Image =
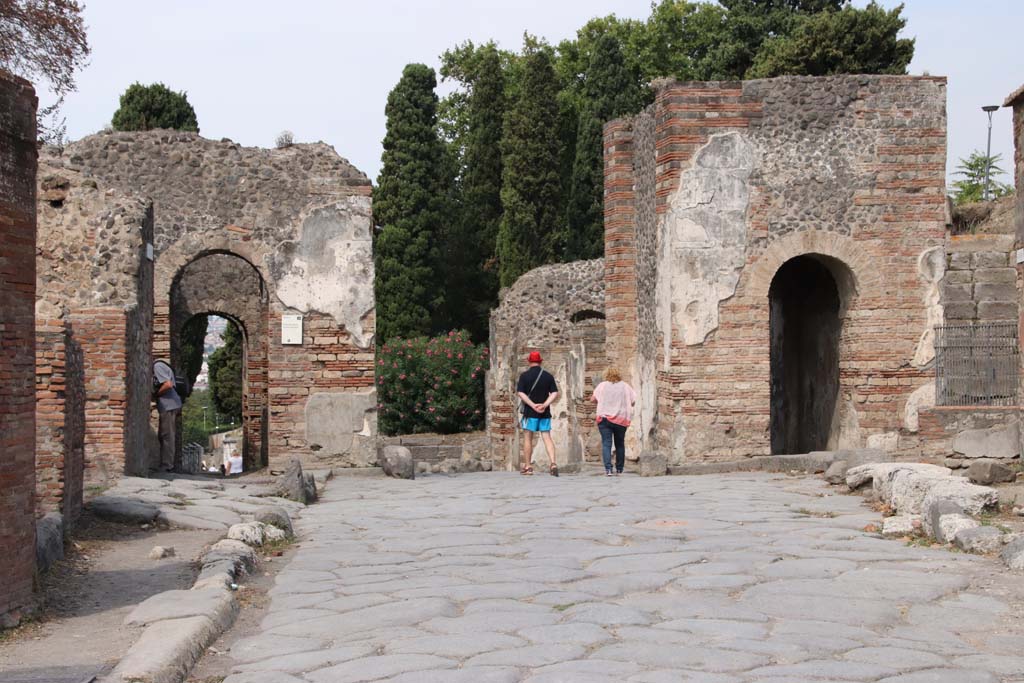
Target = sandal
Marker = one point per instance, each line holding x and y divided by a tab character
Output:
526	470
554	470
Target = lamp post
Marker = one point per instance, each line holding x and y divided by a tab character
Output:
204	418
988	149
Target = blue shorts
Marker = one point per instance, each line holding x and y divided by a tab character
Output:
536	424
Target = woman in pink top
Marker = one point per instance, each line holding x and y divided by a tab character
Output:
615	401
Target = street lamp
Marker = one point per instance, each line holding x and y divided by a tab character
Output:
204	418
988	149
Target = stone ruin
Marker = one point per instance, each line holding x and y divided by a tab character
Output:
141	232
776	262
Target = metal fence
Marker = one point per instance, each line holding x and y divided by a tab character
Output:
191	457
976	364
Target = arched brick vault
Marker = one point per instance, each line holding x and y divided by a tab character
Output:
222	283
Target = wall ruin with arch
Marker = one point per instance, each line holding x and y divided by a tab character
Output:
155	227
717	185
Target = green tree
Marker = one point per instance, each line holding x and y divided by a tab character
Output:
409	204
193	338
531	232
844	41
225	367
471	271
972	187
145	107
611	89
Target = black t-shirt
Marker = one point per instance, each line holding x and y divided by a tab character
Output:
545	387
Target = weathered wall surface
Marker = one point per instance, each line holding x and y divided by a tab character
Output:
746	177
559	311
1016	101
980	281
17	345
301	217
94	315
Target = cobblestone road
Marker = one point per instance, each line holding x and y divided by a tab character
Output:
720	579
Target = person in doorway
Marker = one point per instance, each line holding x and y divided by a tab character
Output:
168	405
537	390
615	401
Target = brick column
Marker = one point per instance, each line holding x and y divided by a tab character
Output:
620	245
17	345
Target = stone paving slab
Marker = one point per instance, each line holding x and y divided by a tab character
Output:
737	578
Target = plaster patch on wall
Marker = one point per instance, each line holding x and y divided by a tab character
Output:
888	441
931	266
340	427
845	431
922	398
330	268
703	239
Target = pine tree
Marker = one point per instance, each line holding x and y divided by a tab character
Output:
145	107
473	276
610	90
530	233
409	204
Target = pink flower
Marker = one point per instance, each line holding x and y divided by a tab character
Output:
473	376
380	362
460	355
454	371
401	377
431	408
394	365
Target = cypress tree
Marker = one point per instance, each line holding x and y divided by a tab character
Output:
475	272
529	234
409	204
610	89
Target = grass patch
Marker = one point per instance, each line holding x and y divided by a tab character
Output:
828	514
562	608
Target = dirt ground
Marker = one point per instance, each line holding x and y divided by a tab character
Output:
215	664
79	631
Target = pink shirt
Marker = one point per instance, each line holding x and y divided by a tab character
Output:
615	402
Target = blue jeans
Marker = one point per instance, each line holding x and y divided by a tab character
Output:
610	431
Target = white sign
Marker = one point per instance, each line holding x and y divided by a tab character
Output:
1020	256
291	329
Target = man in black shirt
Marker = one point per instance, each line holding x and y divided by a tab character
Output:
537	390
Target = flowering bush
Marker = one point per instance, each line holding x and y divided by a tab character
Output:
433	384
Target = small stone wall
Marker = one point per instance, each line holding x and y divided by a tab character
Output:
559	311
446	453
17	346
980	282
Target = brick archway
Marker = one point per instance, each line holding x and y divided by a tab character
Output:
226	284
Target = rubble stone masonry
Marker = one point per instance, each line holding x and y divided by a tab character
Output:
299	218
17	345
717	185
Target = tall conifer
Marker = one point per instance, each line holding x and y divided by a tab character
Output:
409	204
530	231
610	89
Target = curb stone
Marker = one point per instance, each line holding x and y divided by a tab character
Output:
181	624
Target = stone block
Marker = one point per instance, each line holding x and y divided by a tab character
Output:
249	533
397	461
958	277
997	310
277	517
972	498
995	292
960	310
124	510
159	552
836	472
957	293
1013	554
653	464
1002	442
990	259
960	261
954	463
216	604
987	472
1007	276
49	541
814	463
935	511
901	525
231	554
166	651
981	540
294	485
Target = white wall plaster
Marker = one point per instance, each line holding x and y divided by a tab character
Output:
931	266
922	398
703	239
330	268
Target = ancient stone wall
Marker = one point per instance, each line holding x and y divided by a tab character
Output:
94	315
558	310
17	346
748	176
300	216
980	281
1016	101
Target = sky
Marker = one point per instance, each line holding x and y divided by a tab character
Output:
322	69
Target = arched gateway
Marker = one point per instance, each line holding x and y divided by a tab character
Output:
270	239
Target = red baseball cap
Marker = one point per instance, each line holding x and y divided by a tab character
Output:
535	357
